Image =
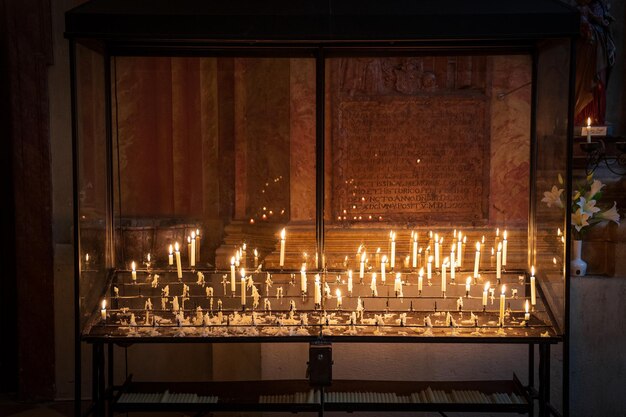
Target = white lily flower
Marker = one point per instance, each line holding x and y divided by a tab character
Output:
553	197
579	219
588	207
594	189
611	214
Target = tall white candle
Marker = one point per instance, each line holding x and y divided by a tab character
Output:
414	250
459	249
504	248
588	129
256	258
282	248
452	264
392	262
317	295
362	266
436	250
373	285
350	282
377	257
477	260
134	271
468	283
383	267
499	262
179	267
443	275
103	311
192	258
233	282
420	279
502	301
533	294
303	279
243	287
397	286
170	258
338	292
485	292
527	315
429	271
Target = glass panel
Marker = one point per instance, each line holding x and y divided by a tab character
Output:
92	178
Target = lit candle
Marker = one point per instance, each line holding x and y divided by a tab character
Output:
477	260
499	262
317	296
87	258
103	311
256	258
468	282
491	257
377	256
397	286
192	258
504	248
414	250
383	266
443	276
237	257
244	253
198	245
420	278
338	299
243	288
430	268
373	285
588	129
419	258
178	265
134	271
303	279
485	292
459	250
436	250
502	301
233	282
392	262
452	264
533	294
350	282
281	262
527	315
362	266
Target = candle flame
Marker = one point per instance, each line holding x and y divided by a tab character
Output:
499	247
503	289
363	256
256	253
377	250
104	304
445	261
492	251
498	231
532	270
464	239
477	246
282	234
421	272
349	273
133	266
303	269
504	235
87	257
398	275
483	240
188	239
384	260
527	307
317	278
430	259
198	232
232	260
338	292
430	234
468	281
193	235
486	286
588	122
243	273
176	247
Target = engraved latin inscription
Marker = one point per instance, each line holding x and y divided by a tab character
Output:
411	159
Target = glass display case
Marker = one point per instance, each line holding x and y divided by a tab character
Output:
312	188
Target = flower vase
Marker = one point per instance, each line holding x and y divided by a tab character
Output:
578	267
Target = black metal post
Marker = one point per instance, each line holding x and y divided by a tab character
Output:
531	378
544	379
320	93
110	379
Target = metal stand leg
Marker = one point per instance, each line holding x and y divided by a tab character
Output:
110	380
531	378
544	379
98	380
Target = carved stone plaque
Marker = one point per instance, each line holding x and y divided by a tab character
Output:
411	159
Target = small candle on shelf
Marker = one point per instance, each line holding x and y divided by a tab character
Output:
407	261
244	253
527	315
533	287
237	257
459	250
383	267
443	276
436	250
429	270
317	295
420	279
373	285
502	301
256	258
397	286
588	129
233	283
103	310
377	258
414	235
303	279
468	283
504	248
499	262
362	266
452	264
492	257
192	258
134	271
392	262
243	288
477	260
497	239
485	292
338	292
350	282
281	262
179	267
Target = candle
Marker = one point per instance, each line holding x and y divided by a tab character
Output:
357	258
103	311
485	292
237	257
414	250
397	286
468	282
338	292
436	250
383	265
420	279
192	253
504	248
256	258
189	248
377	256
499	262
243	288
430	268
281	262
244	253
419	258
502	300
134	271
362	267
178	265
87	257
443	276
452	265
527	315
533	294
462	254
477	260
373	285
303	279
491	257
392	262
350	282
317	297
459	250
233	283
588	129
197	245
